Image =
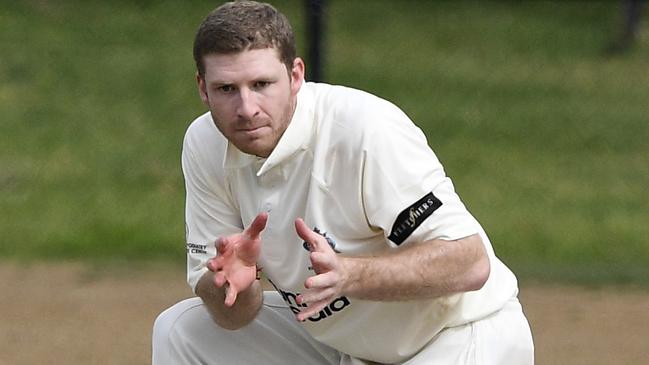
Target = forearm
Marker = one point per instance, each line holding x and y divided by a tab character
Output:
238	315
426	270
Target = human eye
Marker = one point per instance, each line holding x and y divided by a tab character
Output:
226	89
258	85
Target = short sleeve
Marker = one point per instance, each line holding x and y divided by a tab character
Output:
209	210
405	189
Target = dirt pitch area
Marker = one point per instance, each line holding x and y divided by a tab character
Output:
76	314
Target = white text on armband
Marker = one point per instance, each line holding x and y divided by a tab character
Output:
411	217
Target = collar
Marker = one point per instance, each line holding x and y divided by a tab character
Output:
296	137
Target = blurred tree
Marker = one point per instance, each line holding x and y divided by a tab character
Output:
628	32
315	33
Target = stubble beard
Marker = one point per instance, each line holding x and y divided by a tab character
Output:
274	138
277	134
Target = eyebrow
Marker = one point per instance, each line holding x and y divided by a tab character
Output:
217	82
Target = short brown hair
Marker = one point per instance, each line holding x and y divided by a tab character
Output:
242	25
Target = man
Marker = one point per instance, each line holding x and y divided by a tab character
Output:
335	195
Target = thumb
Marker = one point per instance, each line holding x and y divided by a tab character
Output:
230	295
313	239
257	225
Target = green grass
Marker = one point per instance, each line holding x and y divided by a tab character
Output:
545	139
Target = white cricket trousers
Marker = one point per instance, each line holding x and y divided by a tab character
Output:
186	334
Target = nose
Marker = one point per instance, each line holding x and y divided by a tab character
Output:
247	108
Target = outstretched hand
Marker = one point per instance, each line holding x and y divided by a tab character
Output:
328	283
235	265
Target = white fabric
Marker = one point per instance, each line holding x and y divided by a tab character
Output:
352	165
185	334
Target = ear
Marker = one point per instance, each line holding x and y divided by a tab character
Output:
297	75
202	89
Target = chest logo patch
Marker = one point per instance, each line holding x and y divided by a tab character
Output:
329	239
411	217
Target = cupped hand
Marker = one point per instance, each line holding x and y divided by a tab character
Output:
328	283
235	265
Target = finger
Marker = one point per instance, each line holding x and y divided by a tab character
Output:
212	265
316	241
323	261
217	263
303	230
311	310
219	279
320	281
257	225
230	295
314	296
222	245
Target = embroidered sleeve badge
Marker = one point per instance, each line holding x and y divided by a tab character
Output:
411	217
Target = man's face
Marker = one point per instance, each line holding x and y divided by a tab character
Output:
251	97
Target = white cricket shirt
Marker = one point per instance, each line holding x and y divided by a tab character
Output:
354	166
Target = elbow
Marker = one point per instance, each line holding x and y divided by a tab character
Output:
480	268
230	319
243	312
479	274
228	325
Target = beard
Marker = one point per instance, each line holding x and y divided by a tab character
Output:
259	145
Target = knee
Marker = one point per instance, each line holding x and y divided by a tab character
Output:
167	326
162	326
160	337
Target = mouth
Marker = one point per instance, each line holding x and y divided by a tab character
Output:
249	129
254	131
250	125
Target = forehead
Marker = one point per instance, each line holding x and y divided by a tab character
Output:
242	66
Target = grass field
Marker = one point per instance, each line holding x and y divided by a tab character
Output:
546	139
